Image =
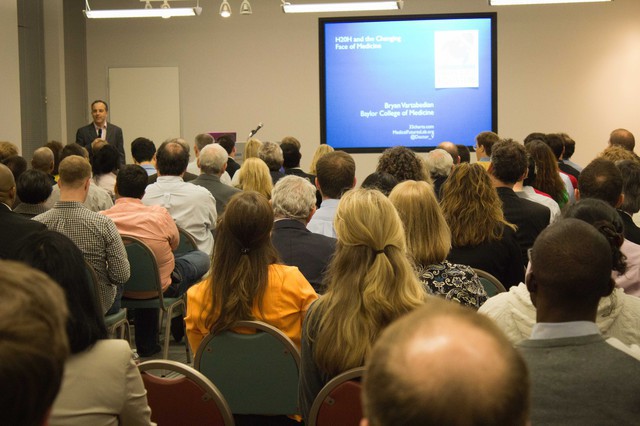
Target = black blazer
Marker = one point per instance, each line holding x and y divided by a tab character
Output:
530	218
232	167
631	230
14	229
300	247
87	134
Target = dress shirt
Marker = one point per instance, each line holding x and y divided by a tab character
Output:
322	220
154	226
192	207
560	330
529	193
98	239
149	169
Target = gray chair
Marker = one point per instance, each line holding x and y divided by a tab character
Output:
145	278
257	373
491	284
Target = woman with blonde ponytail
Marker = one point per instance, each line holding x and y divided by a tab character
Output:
370	283
246	281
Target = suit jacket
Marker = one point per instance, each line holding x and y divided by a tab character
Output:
220	191
232	167
631	230
14	229
300	247
87	134
530	218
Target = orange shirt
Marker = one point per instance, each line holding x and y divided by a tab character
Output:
285	303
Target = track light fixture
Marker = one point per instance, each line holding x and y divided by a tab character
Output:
358	6
523	2
225	9
245	8
164	11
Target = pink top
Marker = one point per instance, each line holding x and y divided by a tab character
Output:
154	226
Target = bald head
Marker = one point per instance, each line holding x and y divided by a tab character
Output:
623	138
7	186
452	149
444	364
43	160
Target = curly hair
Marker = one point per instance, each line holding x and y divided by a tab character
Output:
547	172
617	153
402	163
471	206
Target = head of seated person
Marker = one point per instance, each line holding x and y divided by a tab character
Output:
34	187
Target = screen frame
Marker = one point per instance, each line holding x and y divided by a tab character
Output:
492	16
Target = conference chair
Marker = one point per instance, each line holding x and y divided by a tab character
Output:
145	278
257	373
179	395
491	284
115	322
187	242
338	403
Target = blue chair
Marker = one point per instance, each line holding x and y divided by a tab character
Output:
257	373
491	284
145	278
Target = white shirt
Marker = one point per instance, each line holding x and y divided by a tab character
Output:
528	193
568	186
322	220
191	206
630	280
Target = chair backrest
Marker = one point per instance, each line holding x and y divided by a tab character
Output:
339	403
491	284
187	242
257	373
186	397
145	275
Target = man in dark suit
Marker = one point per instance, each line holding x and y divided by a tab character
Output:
229	144
213	163
294	202
101	129
508	166
14	227
630	171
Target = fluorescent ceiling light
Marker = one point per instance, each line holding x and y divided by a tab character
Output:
342	7
521	2
143	13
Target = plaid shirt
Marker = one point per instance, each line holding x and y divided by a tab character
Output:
97	237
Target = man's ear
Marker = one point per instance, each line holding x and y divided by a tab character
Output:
620	201
311	213
490	168
318	185
364	422
576	194
532	286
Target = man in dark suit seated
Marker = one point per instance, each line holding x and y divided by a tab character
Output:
14	227
508	166
229	144
213	163
630	171
101	129
294	202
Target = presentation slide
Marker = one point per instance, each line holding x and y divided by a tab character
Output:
414	80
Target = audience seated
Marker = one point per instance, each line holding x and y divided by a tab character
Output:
293	201
556	143
484	143
201	140
271	154
143	152
439	164
33	188
291	158
465	154
577	377
618	314
7	149
105	166
14	227
229	145
569	149
213	162
101	383
191	206
548	178
402	163
370	283
320	152
508	166
247	282
617	153
336	174
95	234
156	228
524	189
97	198
630	171
250	151
445	365
452	149
34	345
480	235
428	243
623	138
44	160
17	165
382	181
187	176
254	176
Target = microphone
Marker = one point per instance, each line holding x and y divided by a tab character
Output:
100	133
254	131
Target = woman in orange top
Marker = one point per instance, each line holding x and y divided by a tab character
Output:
246	281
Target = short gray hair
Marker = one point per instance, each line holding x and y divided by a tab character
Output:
212	159
271	153
438	162
293	197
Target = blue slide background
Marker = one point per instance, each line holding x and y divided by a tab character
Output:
362	79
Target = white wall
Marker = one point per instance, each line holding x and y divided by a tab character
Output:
10	128
571	68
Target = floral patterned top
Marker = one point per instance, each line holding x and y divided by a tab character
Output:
458	283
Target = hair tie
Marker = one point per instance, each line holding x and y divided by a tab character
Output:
379	251
244	250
